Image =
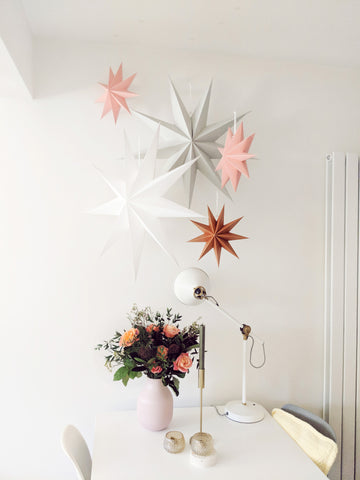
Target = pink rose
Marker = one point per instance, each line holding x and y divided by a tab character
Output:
150	328
128	338
157	369
162	352
183	363
170	331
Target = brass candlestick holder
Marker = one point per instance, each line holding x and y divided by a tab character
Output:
203	453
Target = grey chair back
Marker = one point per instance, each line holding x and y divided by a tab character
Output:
315	421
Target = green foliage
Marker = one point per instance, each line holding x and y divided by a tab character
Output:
151	347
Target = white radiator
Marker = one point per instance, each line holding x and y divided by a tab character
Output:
342	329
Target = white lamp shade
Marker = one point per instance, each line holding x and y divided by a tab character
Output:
187	281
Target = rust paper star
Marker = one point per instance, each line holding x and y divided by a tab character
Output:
234	156
217	235
116	93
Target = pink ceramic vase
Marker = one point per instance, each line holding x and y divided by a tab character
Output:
155	405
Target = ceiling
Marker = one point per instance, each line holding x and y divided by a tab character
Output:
322	31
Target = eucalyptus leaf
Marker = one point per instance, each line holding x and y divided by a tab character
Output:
174	388
192	347
139	360
139	369
121	373
128	362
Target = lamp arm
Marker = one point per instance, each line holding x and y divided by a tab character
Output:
230	317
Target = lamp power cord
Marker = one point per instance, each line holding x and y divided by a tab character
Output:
251	352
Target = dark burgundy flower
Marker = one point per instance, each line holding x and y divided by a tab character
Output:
145	353
174	350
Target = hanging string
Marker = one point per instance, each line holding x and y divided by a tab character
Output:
123	163
217	203
234	122
139	156
191	101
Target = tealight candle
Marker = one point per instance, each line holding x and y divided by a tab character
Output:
174	442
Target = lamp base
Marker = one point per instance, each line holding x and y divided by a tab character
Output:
250	413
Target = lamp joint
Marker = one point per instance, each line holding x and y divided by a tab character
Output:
200	292
245	330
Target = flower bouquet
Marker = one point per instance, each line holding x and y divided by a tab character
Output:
154	346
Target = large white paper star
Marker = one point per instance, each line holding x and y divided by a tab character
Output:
197	139
139	201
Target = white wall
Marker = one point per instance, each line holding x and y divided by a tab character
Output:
17	37
60	298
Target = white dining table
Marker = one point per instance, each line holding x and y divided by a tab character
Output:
123	449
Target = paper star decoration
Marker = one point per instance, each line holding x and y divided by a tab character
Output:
116	93
196	139
234	156
216	235
139	201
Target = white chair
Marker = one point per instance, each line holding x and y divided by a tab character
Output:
76	449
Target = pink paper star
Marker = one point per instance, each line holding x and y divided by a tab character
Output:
234	156
116	93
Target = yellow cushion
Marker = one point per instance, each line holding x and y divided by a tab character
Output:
320	449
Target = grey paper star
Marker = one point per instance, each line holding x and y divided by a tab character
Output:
197	139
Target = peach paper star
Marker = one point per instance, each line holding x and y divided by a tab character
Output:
234	156
217	235
116	93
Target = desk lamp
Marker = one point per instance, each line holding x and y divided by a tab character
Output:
191	287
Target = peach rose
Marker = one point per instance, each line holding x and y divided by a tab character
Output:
183	363
157	369
170	331
162	352
129	338
150	328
